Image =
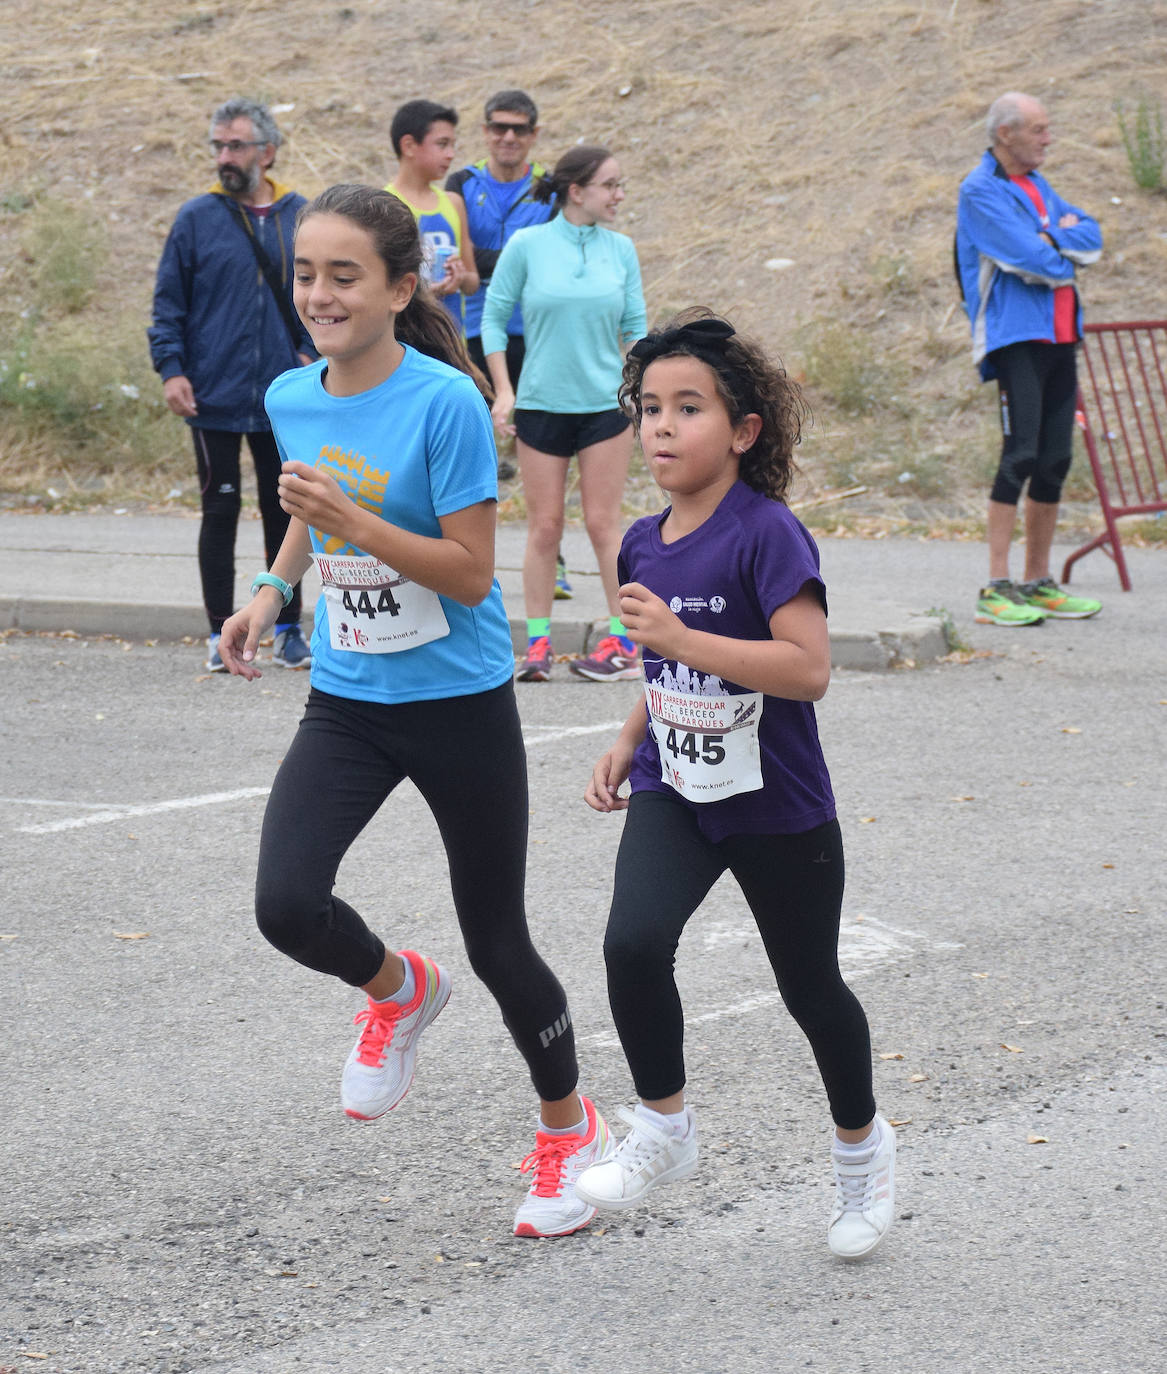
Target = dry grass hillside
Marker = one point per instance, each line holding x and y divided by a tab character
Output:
830	133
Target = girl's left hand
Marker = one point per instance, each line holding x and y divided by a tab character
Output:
649	621
311	495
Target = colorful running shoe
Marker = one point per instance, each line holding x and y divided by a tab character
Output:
537	667
647	1155
1048	597
563	590
379	1071
214	663
864	1199
1000	603
613	659
290	651
552	1207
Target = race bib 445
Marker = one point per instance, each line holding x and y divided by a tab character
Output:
708	744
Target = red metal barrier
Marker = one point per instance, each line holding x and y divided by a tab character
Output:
1122	413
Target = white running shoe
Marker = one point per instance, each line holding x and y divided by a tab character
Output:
645	1157
551	1207
379	1070
864	1199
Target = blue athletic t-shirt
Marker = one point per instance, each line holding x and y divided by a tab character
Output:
413	449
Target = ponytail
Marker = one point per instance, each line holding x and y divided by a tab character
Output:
430	328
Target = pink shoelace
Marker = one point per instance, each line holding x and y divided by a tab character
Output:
380	1023
547	1159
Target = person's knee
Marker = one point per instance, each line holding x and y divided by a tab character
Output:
1045	486
603	526
285	912
222	504
545	530
630	948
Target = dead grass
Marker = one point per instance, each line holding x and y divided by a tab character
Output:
830	132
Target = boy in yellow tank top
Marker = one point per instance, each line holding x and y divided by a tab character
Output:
424	134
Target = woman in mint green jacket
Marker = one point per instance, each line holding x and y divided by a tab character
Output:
578	283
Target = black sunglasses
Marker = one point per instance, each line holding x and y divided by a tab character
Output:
500	130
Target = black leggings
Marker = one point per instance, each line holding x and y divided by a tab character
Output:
217	456
794	887
466	757
1037	385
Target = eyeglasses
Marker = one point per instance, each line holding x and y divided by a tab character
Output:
235	145
500	130
610	186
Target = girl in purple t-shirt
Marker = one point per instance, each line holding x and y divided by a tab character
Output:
724	595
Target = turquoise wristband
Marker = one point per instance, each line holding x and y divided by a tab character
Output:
266	579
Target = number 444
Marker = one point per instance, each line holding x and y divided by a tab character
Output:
363	605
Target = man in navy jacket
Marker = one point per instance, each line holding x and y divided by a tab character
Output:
1018	247
219	337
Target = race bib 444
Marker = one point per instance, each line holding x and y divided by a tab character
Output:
374	610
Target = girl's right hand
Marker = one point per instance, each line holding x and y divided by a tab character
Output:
610	771
500	411
242	633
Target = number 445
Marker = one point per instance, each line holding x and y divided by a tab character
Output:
711	750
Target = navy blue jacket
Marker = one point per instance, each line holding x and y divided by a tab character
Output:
215	318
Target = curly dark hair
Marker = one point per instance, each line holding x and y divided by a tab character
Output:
748	382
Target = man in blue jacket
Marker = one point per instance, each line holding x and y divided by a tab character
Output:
1018	246
224	327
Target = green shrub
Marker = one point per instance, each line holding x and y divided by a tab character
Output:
1142	138
67	246
840	363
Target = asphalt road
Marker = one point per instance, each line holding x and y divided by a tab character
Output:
180	1191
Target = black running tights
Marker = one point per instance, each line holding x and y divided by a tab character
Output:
794	887
217	457
466	757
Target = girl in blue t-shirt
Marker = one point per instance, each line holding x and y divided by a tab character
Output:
390	479
723	594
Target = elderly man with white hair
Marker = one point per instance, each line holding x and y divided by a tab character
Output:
1018	248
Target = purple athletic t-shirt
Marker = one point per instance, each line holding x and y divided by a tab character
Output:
729	577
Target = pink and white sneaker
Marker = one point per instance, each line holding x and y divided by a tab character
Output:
551	1207
379	1070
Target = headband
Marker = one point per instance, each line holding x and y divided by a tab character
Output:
706	340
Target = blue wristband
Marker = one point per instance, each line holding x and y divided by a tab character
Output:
266	579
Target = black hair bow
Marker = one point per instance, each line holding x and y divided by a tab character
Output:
698	336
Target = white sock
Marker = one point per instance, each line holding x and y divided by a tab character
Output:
580	1128
676	1123
404	993
857	1152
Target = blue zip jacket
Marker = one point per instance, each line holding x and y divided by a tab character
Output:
494	210
1007	272
215	318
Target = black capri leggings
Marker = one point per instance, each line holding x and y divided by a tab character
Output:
1037	385
794	887
466	757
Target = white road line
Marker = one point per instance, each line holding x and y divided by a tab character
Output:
570	731
149	809
104	814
